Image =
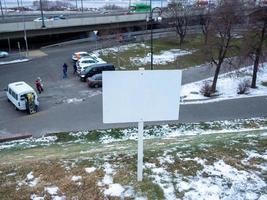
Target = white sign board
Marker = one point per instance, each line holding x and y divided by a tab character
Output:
141	96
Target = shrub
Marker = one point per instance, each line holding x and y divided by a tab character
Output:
206	89
264	83
243	87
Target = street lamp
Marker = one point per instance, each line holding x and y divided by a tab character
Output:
42	14
82	5
2	9
24	30
151	20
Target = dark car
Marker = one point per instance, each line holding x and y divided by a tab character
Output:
95	69
95	81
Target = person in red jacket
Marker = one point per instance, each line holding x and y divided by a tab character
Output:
38	85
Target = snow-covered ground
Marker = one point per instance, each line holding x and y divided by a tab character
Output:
163	131
216	181
206	161
163	58
227	86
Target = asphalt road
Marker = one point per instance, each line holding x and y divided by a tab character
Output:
58	113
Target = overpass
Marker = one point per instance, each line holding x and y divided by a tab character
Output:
70	25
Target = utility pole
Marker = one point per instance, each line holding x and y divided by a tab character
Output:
151	36
3	17
82	5
42	13
24	29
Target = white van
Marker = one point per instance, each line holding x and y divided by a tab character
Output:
19	92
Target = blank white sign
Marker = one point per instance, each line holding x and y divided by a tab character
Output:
141	96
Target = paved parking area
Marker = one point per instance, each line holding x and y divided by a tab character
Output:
68	104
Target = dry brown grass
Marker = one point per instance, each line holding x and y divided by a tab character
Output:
50	173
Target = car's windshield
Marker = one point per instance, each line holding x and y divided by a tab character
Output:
84	54
88	61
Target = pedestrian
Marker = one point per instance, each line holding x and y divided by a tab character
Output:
39	85
74	68
65	70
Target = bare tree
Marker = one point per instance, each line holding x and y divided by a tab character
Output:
205	22
220	38
255	40
178	19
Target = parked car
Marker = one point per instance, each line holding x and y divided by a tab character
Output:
96	69
78	55
85	62
58	17
95	81
3	54
95	57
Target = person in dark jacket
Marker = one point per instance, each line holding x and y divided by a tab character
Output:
65	70
74	68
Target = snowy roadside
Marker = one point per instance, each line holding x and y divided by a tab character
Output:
190	165
151	132
15	61
227	86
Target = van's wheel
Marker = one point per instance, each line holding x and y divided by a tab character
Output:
96	85
8	100
16	108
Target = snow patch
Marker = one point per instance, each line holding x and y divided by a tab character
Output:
227	86
73	100
76	178
35	197
114	190
163	58
14	61
52	190
224	181
90	169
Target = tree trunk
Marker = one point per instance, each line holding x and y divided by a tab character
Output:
257	56
255	69
215	78
181	40
205	39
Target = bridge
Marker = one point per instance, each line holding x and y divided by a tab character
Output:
16	29
15	26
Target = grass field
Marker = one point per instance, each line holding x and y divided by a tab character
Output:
123	58
211	160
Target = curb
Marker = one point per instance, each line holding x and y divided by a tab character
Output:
14	61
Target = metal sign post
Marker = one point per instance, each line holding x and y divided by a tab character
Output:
139	96
140	150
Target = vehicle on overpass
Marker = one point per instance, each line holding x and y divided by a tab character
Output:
139	8
22	96
50	18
